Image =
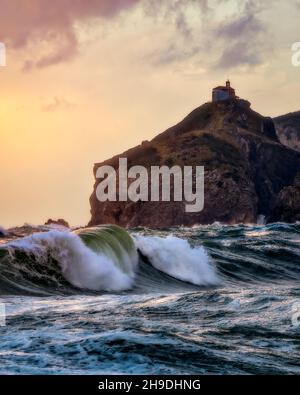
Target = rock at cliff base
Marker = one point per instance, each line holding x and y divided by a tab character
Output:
60	222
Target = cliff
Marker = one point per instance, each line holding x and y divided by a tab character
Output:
247	169
288	130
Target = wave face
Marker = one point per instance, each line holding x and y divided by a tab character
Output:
103	258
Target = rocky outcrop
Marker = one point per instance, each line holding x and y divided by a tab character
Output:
288	130
246	168
60	222
286	207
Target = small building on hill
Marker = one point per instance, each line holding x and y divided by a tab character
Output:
223	92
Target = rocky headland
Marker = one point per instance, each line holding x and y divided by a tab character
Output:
251	170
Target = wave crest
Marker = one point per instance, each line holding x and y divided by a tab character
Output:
176	257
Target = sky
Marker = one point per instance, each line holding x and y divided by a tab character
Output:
86	80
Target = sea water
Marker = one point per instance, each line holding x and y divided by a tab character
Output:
204	300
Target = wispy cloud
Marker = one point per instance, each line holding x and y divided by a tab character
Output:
244	37
214	41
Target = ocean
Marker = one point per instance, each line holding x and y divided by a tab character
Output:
203	300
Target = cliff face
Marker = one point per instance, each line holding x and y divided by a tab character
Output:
246	168
286	206
288	130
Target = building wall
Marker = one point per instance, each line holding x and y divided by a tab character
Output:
218	95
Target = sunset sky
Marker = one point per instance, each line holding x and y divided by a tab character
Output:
85	80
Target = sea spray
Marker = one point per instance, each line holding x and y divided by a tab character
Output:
80	265
176	257
114	242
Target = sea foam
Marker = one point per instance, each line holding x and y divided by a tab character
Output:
177	258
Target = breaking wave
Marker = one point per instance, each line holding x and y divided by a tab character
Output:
175	257
103	258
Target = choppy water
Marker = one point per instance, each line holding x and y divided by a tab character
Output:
237	310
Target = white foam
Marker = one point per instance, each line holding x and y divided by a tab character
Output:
87	269
261	220
81	266
176	257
